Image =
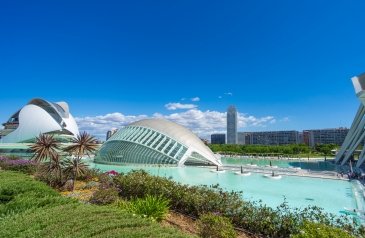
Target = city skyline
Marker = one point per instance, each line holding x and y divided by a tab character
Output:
287	69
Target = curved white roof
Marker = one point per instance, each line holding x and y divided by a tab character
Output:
40	116
175	131
180	134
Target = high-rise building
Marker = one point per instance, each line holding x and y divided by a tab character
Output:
218	139
232	125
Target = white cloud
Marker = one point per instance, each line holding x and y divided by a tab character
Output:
202	123
220	97
228	94
195	99
177	105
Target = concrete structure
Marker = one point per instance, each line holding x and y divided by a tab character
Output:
110	133
325	136
271	137
155	141
232	125
40	116
356	134
218	139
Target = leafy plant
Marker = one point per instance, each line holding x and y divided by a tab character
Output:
152	207
214	226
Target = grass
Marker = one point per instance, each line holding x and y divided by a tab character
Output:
29	208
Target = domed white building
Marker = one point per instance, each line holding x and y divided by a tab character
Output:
40	116
155	141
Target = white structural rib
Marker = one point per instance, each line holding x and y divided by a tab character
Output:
356	134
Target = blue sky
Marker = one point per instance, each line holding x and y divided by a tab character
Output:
284	64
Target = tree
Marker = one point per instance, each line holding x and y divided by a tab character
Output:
83	144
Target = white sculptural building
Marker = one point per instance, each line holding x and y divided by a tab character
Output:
39	117
356	134
155	141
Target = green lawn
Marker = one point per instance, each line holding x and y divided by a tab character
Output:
31	209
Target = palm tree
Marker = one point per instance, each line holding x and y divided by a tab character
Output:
83	144
46	148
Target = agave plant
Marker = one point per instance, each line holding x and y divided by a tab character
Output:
83	144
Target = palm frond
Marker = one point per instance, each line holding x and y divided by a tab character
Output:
45	148
83	144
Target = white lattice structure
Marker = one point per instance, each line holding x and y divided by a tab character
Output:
155	141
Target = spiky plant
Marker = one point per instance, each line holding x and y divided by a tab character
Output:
83	144
45	148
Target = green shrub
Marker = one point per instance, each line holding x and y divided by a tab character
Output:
214	226
152	207
89	174
104	196
317	230
190	200
252	216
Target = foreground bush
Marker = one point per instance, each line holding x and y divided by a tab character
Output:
252	216
105	196
190	200
310	230
214	226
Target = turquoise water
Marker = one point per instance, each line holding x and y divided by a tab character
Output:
316	165
332	195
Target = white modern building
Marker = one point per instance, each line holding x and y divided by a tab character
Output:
155	141
39	117
356	134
